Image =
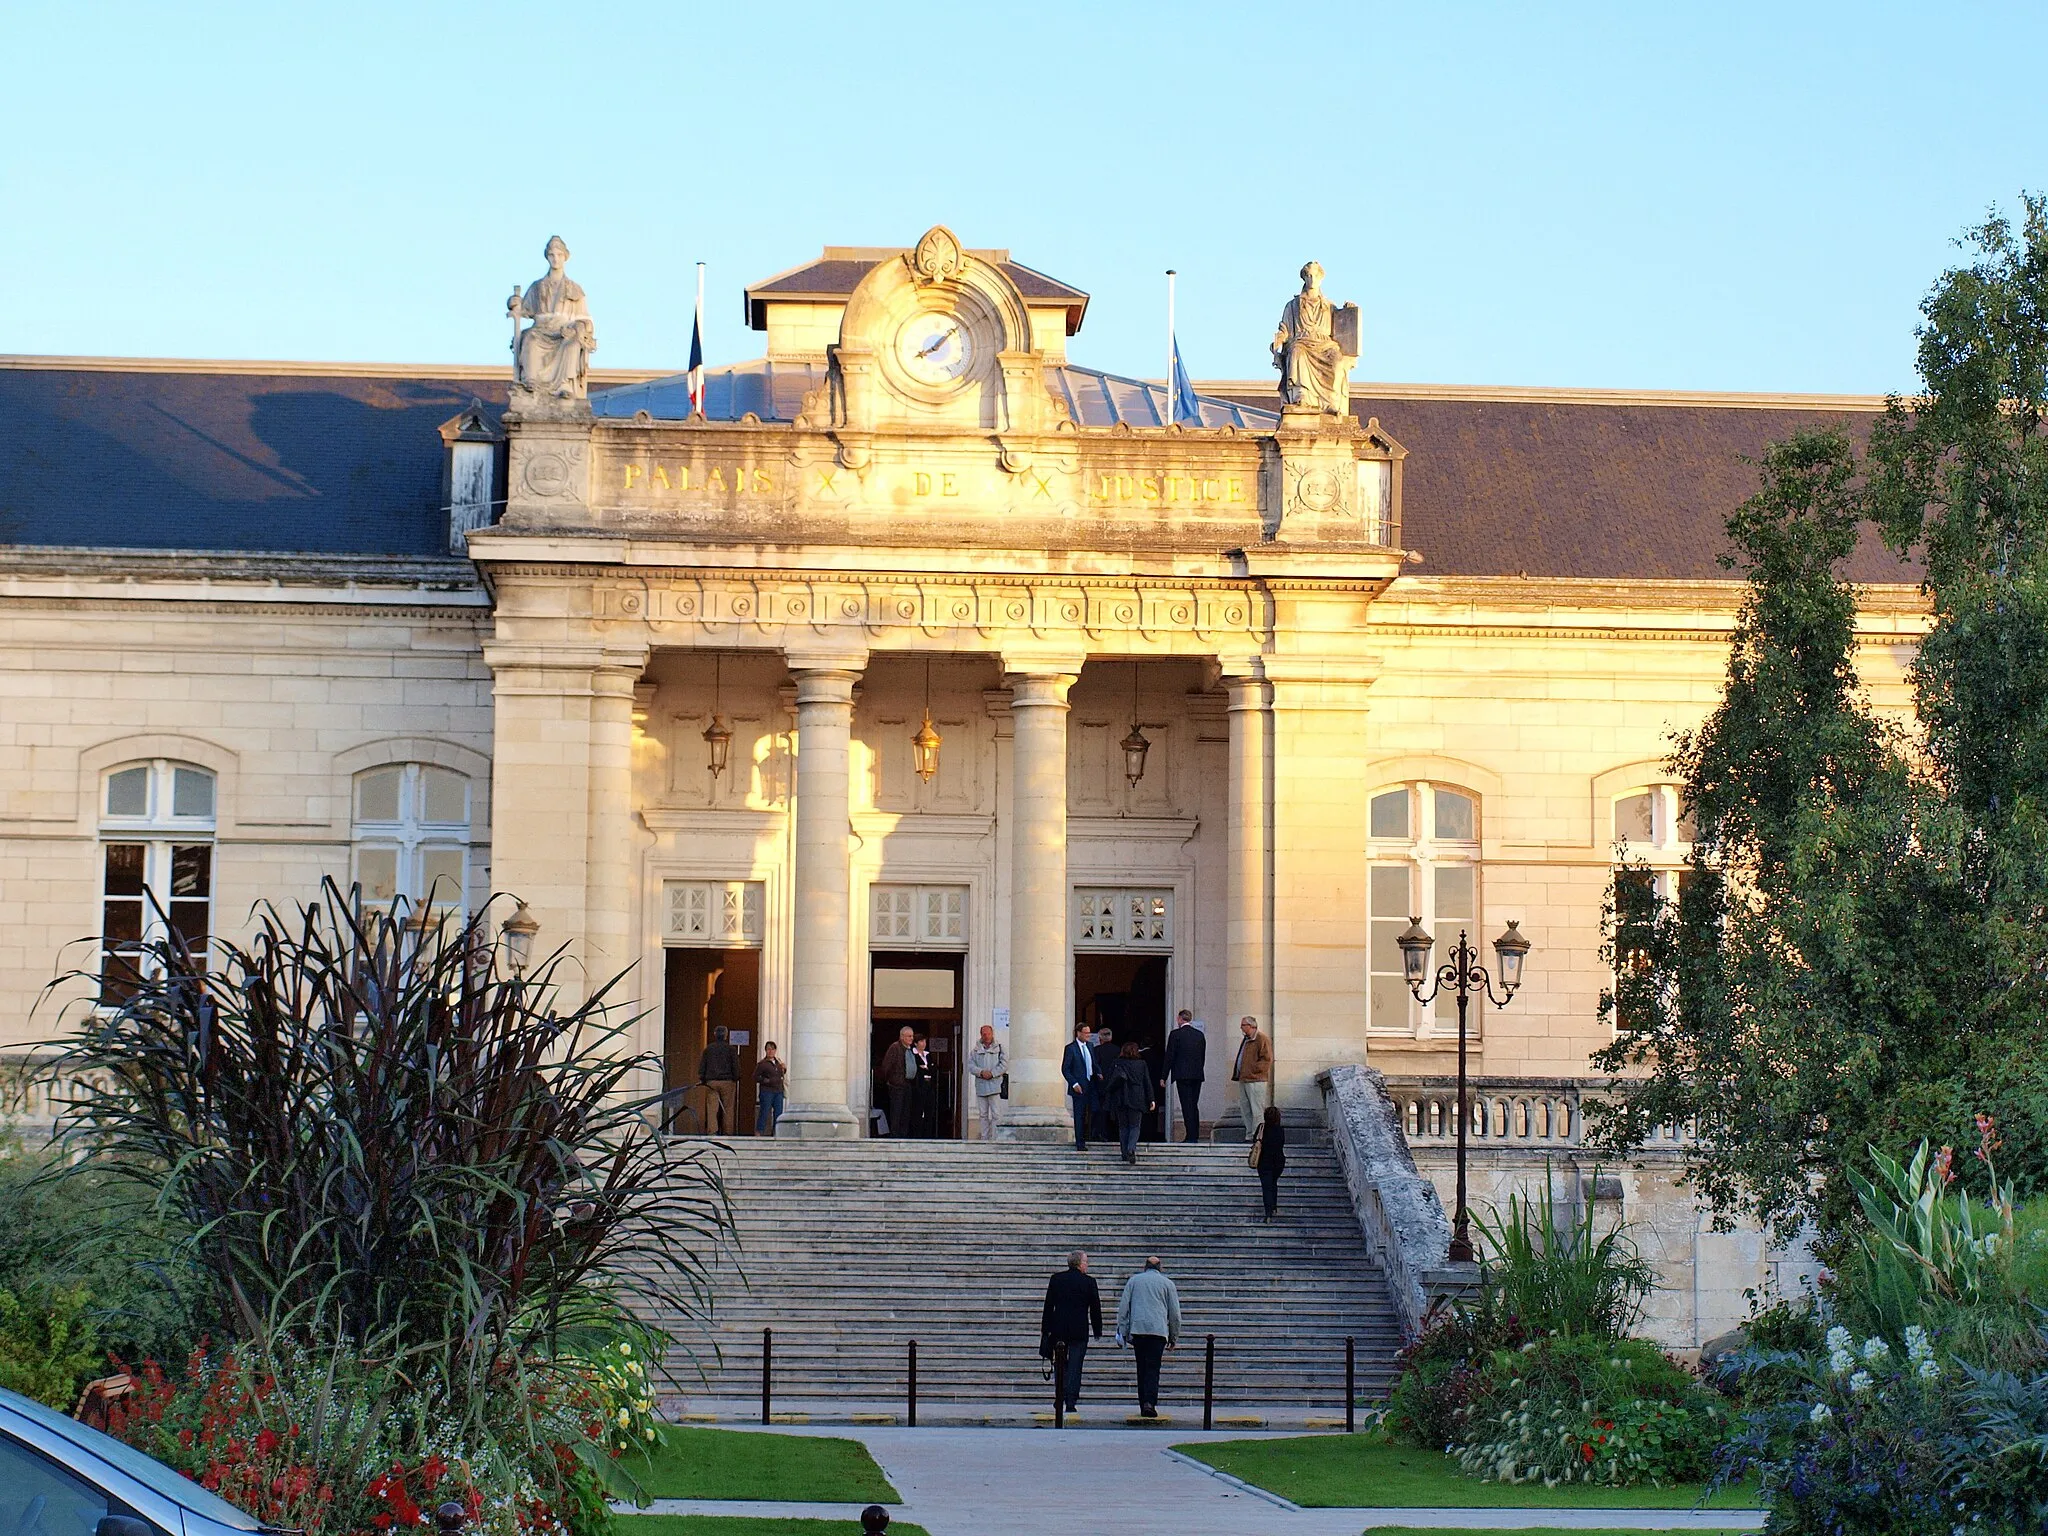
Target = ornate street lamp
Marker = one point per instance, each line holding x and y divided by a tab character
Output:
924	746
1135	746
1466	975
519	930
717	735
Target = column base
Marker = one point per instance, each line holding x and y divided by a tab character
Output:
818	1122
1044	1125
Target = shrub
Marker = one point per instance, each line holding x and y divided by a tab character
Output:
1581	1409
1442	1372
377	1145
1562	1277
47	1348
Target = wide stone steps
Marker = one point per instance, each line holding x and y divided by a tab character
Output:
850	1250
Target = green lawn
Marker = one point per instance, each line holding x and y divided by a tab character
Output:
1343	1471
693	1463
746	1525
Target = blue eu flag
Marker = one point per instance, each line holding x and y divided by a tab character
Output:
1184	406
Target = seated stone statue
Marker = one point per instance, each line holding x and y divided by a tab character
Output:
1315	367
551	357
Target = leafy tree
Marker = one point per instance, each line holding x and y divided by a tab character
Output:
1857	955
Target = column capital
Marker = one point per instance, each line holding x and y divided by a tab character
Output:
606	667
1039	690
848	661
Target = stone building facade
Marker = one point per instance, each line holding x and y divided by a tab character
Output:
436	632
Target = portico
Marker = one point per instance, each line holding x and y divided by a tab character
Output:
965	541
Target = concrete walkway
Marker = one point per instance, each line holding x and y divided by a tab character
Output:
1025	1482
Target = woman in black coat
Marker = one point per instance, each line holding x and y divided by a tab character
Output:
1269	1156
1127	1089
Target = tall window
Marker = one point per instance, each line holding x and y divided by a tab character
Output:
412	834
156	841
1650	829
1424	860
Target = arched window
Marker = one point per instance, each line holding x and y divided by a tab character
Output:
412	834
1650	829
1424	860
156	859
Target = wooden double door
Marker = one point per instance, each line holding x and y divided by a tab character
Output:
706	989
923	991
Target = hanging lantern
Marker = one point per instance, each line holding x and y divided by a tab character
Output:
519	930
1135	747
924	749
718	737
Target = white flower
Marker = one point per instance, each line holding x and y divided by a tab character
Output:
1918	1345
1876	1351
1820	1415
1990	1244
625	1419
625	1348
1839	1339
1840	1362
1860	1382
1929	1369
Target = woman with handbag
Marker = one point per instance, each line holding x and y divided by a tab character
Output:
1128	1091
1269	1156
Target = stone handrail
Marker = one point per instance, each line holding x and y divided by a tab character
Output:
1406	1231
1544	1113
31	1100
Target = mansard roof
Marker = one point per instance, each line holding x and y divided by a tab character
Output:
343	459
774	390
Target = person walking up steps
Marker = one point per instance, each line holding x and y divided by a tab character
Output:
1072	1314
1269	1156
1077	1067
1148	1319
1127	1090
1187	1060
1253	1073
718	1069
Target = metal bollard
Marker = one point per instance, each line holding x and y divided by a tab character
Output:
1209	1383
1059	1386
913	1383
1350	1385
767	1369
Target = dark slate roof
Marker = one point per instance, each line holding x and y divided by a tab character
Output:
1552	484
774	391
184	457
836	273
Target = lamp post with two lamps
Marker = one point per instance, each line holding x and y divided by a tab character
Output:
1466	976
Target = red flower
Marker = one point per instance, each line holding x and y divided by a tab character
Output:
266	1441
432	1470
1585	1452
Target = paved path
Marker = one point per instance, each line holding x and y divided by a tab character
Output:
1025	1482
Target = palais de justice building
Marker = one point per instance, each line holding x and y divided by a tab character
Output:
1219	702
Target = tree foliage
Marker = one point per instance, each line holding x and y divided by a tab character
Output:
1857	954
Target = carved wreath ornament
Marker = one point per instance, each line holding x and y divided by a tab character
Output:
937	257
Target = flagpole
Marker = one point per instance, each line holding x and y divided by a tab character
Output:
1169	346
697	342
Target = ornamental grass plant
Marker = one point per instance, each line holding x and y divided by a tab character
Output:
410	1171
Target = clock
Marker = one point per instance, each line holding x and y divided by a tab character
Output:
935	347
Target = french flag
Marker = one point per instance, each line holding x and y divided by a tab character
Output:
697	350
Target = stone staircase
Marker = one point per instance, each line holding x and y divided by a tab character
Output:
850	1249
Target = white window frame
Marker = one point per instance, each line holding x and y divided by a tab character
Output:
160	831
713	914
1423	853
1667	854
410	836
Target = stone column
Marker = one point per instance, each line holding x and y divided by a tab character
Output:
1319	873
1248	921
1040	1006
822	969
562	798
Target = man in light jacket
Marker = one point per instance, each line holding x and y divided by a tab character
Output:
1148	1319
988	1064
1253	1073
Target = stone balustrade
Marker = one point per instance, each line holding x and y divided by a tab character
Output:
1519	1113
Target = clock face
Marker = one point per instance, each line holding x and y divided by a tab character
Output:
934	347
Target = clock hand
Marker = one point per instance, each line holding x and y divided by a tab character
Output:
938	342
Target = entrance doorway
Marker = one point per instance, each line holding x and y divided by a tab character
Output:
707	989
922	991
1126	994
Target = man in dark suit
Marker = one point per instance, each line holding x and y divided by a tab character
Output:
1077	1066
1072	1315
899	1067
1187	1058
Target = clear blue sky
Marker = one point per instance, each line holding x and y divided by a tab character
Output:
1745	196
